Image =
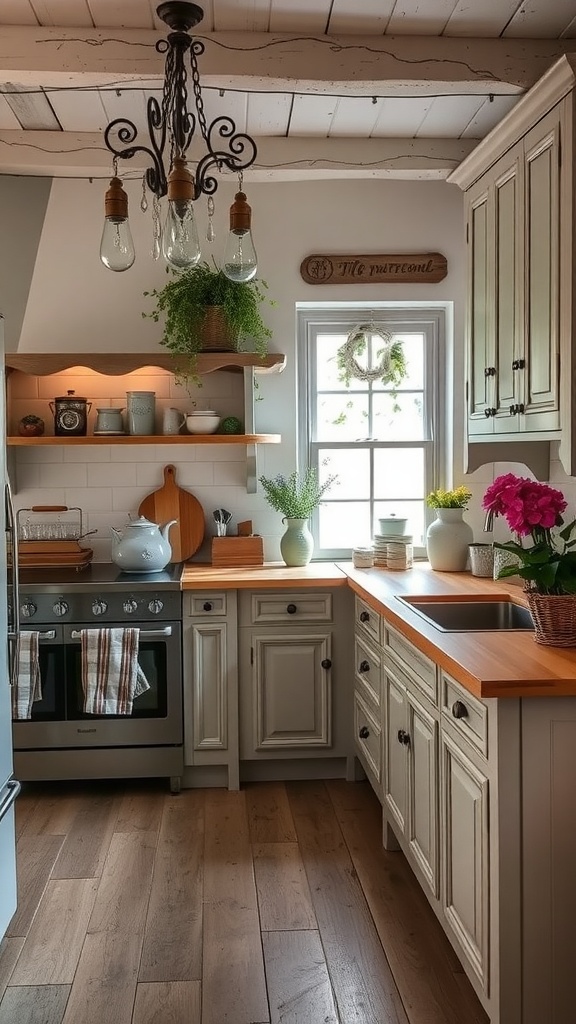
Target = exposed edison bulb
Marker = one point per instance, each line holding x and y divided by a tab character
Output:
180	242
116	247
240	261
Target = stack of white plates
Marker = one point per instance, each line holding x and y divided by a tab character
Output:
382	556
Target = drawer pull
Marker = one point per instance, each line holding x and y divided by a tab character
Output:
364	666
459	709
364	616
291	609
364	732
207	606
326	663
403	737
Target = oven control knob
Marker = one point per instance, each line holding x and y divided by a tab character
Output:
60	608
130	606
156	606
99	607
28	609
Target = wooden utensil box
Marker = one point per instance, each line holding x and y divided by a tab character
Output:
237	551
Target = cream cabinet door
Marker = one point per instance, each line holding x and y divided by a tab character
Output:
465	856
481	356
422	830
210	720
396	759
507	283
292	692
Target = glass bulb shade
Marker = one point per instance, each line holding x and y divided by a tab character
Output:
240	261
180	242
117	248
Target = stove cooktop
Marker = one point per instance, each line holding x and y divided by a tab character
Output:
96	576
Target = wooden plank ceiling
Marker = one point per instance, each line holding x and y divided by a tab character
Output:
402	88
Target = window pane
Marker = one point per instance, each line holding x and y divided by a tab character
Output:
353	468
343	525
398	417
398	472
342	417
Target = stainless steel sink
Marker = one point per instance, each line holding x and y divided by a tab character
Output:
471	616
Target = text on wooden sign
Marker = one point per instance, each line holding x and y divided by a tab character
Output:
405	268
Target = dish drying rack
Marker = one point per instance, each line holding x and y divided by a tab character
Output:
49	537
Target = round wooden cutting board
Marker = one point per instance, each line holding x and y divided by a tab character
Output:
171	502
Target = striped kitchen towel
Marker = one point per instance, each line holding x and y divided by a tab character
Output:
26	681
111	675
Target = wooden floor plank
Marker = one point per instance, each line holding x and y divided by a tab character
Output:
361	976
284	898
105	982
140	810
54	813
172	948
9	953
44	1004
269	813
421	958
233	981
171	1002
54	943
298	983
36	856
24	807
86	845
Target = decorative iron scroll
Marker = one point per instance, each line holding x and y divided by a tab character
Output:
404	268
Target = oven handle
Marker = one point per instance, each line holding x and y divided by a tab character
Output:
46	634
150	633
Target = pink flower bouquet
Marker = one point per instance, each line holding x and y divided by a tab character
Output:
534	510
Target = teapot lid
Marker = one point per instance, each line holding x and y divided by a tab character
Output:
140	522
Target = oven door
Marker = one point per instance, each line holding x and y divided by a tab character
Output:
156	718
42	729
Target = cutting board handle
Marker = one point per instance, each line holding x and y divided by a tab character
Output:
170	476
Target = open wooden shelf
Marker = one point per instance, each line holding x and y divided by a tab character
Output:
147	439
115	364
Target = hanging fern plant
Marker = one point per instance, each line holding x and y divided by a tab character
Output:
391	367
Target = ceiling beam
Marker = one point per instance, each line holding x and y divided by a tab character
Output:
83	155
351	65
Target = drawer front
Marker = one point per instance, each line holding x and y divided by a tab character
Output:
465	713
203	605
289	608
421	670
367	620
368	737
367	671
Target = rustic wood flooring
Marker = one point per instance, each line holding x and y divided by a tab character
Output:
272	905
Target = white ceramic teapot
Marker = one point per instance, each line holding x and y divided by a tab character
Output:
143	547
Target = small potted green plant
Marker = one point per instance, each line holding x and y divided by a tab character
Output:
204	311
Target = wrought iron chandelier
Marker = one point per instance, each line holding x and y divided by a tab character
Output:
171	128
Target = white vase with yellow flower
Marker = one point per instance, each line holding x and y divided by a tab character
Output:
449	537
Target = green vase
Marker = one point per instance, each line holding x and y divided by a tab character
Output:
297	544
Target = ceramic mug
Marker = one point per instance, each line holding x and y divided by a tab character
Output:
172	421
109	421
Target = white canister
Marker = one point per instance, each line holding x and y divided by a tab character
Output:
140	412
172	421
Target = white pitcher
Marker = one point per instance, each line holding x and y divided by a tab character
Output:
172	421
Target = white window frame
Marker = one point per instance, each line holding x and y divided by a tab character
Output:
432	319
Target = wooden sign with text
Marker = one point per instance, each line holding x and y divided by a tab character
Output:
404	268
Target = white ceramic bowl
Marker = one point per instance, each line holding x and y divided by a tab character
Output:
202	424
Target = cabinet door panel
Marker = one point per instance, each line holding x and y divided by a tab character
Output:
508	286
209	682
466	867
542	259
481	352
423	789
292	696
396	773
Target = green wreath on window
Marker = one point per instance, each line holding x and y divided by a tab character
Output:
391	367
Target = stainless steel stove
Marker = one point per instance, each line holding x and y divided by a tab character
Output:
62	741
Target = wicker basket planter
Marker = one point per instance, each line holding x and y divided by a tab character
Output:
554	618
215	333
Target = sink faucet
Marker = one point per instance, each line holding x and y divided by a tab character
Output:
489	521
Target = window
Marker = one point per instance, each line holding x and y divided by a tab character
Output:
383	440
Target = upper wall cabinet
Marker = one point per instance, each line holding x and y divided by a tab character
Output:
519	194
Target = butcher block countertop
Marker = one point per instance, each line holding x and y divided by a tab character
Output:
488	664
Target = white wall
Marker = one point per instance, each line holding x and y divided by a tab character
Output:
76	305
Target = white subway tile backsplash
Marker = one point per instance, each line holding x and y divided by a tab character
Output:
87	453
90	499
27	476
40	454
230	473
128	454
54	474
195	474
127	499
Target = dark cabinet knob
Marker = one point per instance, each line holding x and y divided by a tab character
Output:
326	663
459	709
489	371
520	407
207	606
518	364
489	412
291	609
403	737
364	616
364	732
364	666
